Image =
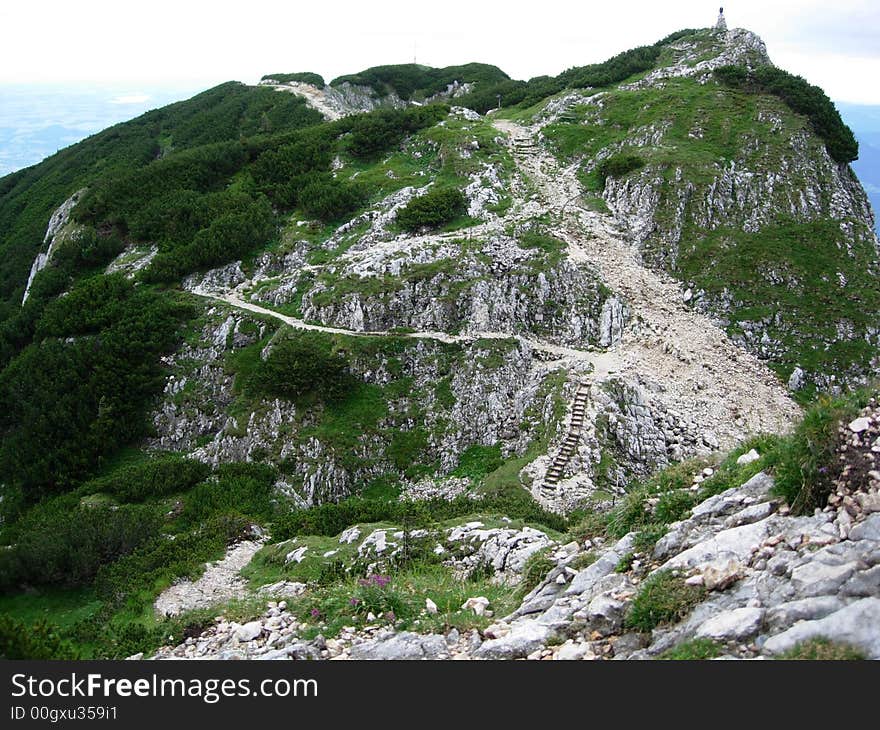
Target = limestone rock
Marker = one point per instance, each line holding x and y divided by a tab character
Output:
732	625
523	638
855	624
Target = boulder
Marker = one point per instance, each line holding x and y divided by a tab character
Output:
733	625
405	645
523	638
249	631
855	624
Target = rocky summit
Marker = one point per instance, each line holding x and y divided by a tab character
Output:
434	363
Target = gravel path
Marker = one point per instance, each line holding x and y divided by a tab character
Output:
702	372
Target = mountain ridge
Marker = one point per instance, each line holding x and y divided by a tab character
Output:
290	321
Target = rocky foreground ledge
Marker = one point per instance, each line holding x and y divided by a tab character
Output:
740	578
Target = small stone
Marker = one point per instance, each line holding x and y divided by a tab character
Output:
477	604
430	606
694	580
249	631
720	574
748	457
860	424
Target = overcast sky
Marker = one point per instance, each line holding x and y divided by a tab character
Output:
183	44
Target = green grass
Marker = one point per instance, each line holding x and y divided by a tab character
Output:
346	603
60	606
694	650
823	650
536	567
662	598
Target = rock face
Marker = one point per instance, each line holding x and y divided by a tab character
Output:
55	234
700	220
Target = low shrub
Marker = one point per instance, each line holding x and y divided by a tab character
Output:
154	477
133	579
618	166
302	364
60	542
332	518
536	567
240	489
477	461
805	464
802	98
305	77
434	208
38	641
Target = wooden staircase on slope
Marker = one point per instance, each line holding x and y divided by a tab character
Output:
572	438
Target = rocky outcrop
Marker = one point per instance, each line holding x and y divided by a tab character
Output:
57	223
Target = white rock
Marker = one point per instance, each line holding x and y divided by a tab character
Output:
855	624
732	625
817	579
748	457
570	651
297	555
477	604
860	424
523	638
350	535
249	631
430	606
739	542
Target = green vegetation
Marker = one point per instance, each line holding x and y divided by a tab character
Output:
776	280
65	543
150	478
802	98
300	366
414	82
618	166
305	77
476	461
823	650
804	465
399	601
662	598
80	390
694	650
38	641
597	75
537	565
792	296
434	208
806	462
332	518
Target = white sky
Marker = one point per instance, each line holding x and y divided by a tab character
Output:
187	43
